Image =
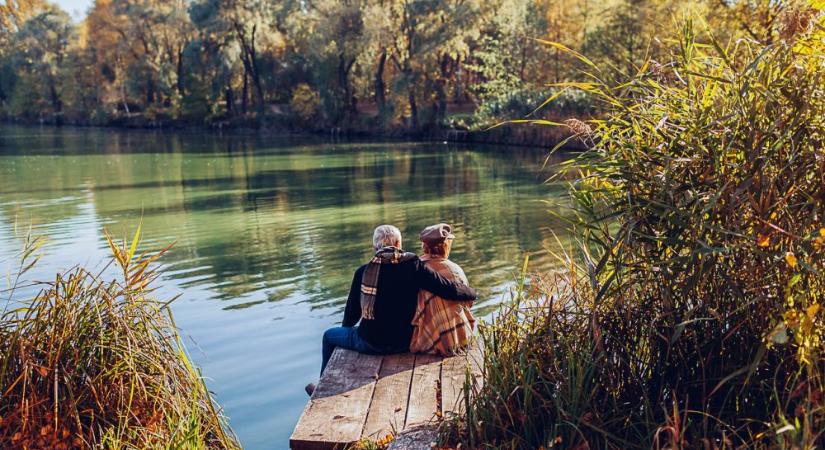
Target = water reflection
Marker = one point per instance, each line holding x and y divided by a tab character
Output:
268	229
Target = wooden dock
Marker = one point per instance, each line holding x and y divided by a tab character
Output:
369	396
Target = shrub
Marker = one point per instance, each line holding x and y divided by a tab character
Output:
528	103
90	363
305	102
694	318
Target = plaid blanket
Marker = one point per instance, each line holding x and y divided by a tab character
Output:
369	280
442	327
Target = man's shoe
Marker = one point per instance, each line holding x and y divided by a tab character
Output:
310	388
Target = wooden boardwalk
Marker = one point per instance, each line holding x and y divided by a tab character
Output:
369	396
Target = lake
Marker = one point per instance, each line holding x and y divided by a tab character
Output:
268	231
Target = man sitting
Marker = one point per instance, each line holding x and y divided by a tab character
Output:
383	297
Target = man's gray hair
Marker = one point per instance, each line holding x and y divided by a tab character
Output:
385	236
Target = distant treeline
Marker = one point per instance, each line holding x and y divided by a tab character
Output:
357	64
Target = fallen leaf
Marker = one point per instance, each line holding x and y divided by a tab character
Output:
790	258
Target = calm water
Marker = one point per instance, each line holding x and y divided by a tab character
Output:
268	231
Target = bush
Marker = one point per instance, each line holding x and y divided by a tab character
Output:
305	102
694	318
90	363
530	103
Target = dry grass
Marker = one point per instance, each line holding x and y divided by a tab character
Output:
92	363
693	318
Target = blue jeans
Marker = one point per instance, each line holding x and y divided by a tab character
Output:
347	337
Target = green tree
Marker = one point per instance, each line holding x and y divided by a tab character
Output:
425	41
13	14
331	34
155	34
41	45
253	27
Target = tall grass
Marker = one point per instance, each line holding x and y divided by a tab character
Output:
94	363
693	318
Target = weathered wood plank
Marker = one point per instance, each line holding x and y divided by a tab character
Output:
337	410
423	403
476	357
453	375
392	392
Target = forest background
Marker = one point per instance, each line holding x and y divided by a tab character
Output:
371	66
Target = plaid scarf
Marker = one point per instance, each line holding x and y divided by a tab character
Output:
369	280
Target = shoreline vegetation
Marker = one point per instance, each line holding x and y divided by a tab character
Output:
91	362
503	134
434	70
443	69
690	315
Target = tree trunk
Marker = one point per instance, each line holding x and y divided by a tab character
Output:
56	103
413	106
380	99
180	71
150	91
245	91
557	57
523	62
343	90
256	82
123	99
441	90
458	92
229	100
256	76
250	64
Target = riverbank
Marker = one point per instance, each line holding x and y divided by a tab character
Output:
501	134
689	314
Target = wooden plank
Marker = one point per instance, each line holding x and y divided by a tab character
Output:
453	375
475	355
423	403
338	408
392	392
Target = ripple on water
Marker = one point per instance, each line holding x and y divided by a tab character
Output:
266	241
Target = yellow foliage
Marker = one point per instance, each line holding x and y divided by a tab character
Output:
819	241
790	258
305	102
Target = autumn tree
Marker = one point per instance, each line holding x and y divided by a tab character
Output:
40	48
251	26
13	14
425	42
331	35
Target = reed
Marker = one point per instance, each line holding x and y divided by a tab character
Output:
692	317
94	363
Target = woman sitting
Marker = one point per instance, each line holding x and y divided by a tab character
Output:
441	327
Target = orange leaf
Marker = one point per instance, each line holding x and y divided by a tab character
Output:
790	258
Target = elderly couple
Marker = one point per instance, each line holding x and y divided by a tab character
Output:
400	302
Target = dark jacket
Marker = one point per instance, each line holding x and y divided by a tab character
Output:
398	286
